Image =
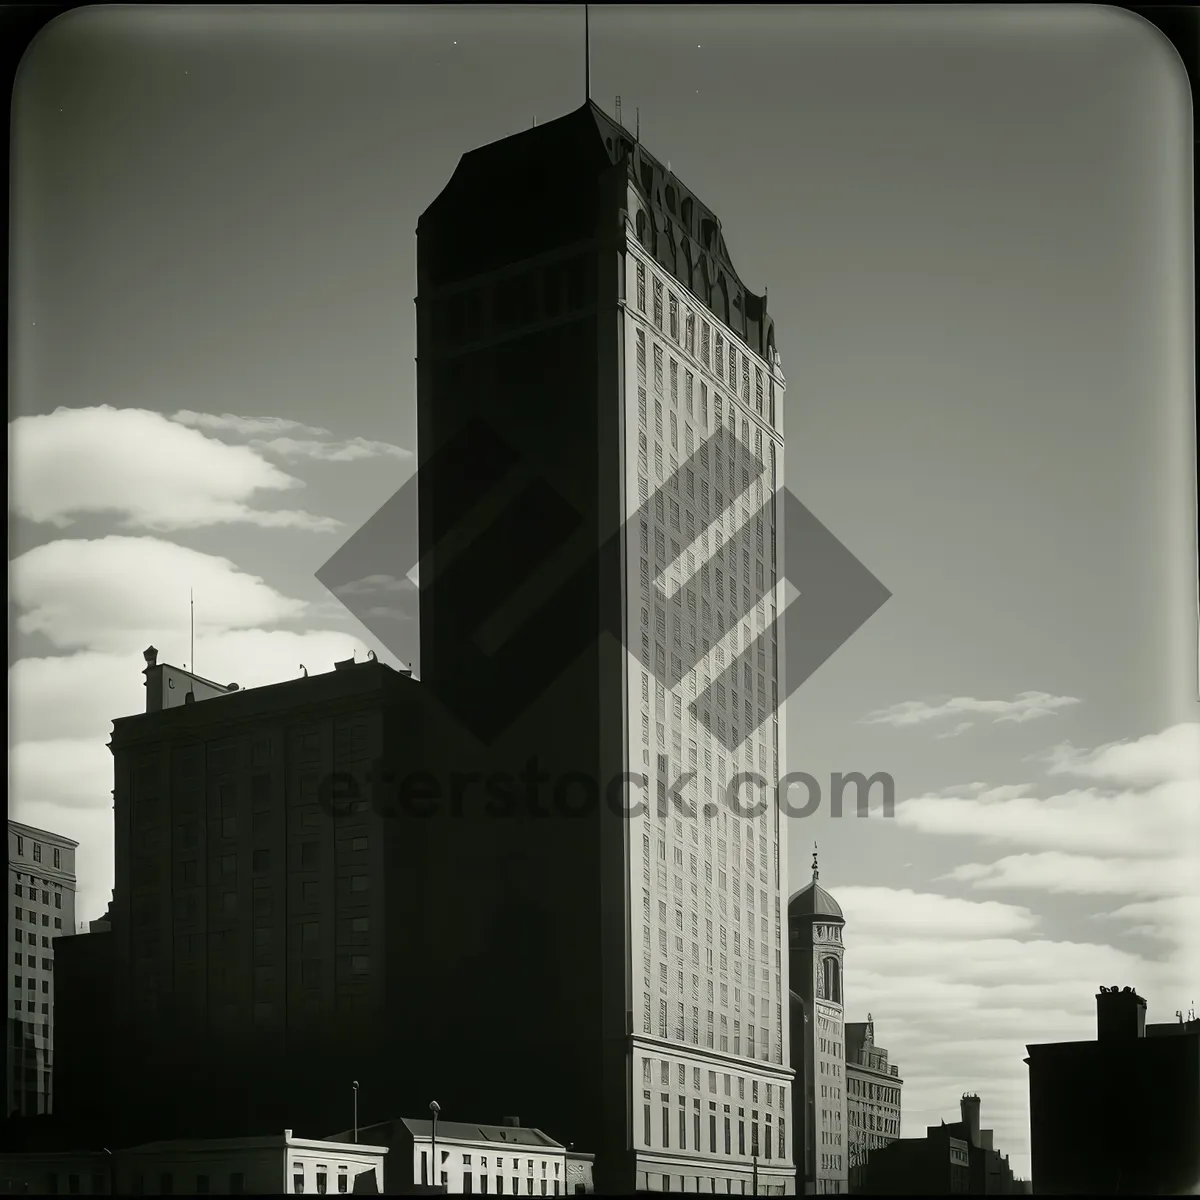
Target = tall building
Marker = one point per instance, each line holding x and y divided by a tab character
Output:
41	887
1119	1114
585	342
815	925
252	924
872	1095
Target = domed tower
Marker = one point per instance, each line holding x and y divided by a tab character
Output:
815	924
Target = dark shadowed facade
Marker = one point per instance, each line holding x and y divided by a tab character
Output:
581	331
259	931
955	1158
1119	1115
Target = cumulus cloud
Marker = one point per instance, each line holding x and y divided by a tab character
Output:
1028	706
121	593
291	439
153	473
1079	874
1087	820
990	980
1173	754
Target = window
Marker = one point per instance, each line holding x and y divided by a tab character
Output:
237	1183
358	883
322	1179
310	855
57	858
201	1185
165	1183
37	857
229	902
343	1181
298	1178
261	861
72	1180
21	854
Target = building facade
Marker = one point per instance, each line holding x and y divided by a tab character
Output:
872	1095
815	926
467	1159
41	889
1118	1114
249	924
578	303
278	1165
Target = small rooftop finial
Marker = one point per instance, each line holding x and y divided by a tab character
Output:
816	873
151	656
304	669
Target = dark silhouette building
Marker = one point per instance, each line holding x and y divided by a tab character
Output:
956	1158
259	906
1119	1115
83	1062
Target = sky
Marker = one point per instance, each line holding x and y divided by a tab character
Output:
974	224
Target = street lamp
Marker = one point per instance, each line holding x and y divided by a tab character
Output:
434	1173
354	1085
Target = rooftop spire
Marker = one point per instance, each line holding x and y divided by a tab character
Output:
816	872
587	54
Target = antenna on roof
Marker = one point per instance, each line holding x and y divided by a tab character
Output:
618	110
587	54
192	605
637	131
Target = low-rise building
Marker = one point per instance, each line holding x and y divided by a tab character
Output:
276	1165
955	1158
468	1159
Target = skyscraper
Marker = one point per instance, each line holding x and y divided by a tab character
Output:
41	890
592	372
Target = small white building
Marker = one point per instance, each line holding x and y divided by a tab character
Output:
278	1164
481	1160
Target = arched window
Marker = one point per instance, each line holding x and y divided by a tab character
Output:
833	980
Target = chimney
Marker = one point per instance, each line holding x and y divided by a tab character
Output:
154	683
1120	1015
969	1105
511	1122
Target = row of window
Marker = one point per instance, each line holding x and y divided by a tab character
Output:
29	892
320	1179
32	917
875	1091
691	1128
773	1094
872	1121
37	852
681	325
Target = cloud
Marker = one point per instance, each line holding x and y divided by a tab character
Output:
960	728
989	980
350	450
247	426
1028	706
291	439
1086	821
371	585
1173	754
122	593
1079	874
146	470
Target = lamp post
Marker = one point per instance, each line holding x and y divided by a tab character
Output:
434	1173
354	1085
754	1183
112	1172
